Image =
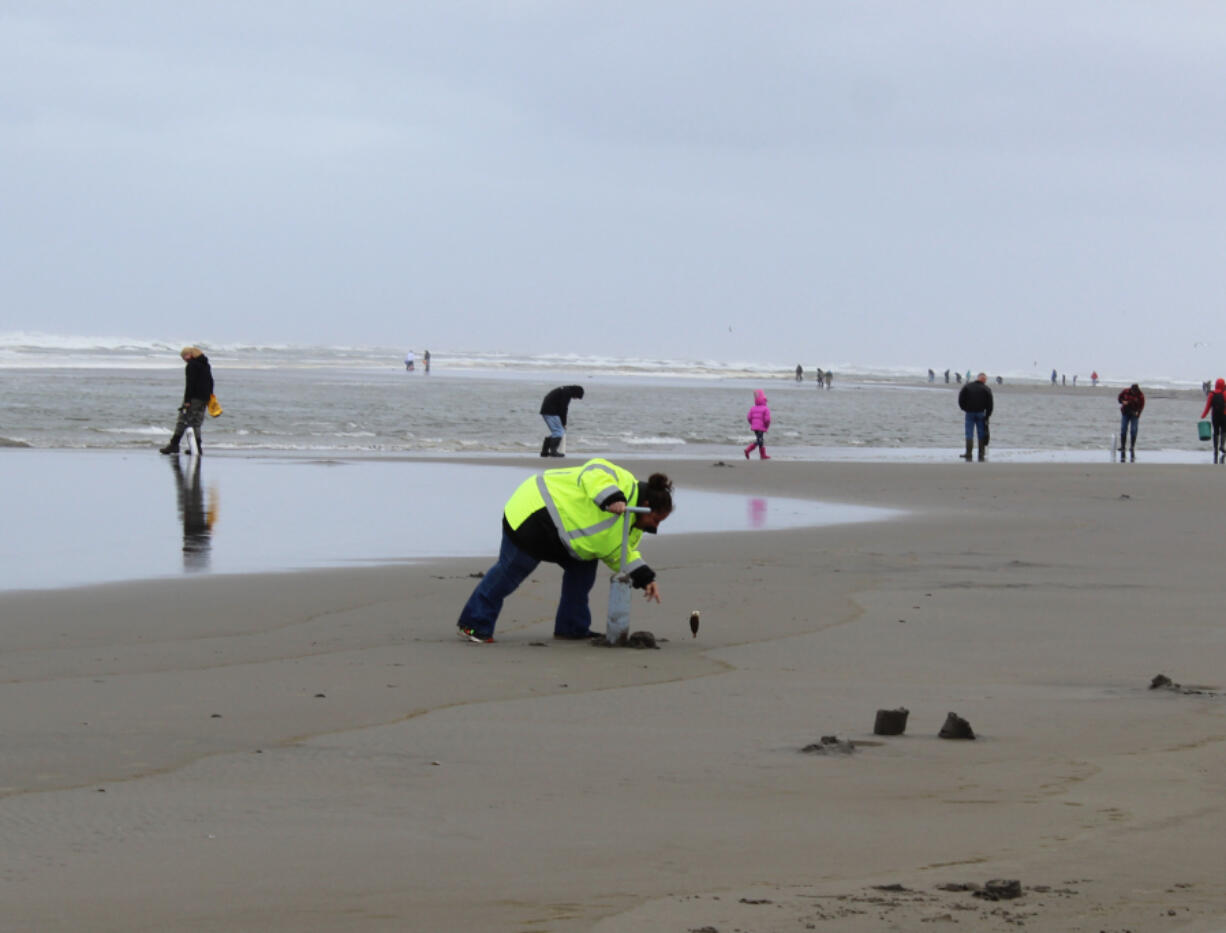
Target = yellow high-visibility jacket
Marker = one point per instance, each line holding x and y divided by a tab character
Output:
575	498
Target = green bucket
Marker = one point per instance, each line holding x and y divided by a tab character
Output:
1204	431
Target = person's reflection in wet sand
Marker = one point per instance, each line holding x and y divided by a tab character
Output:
197	521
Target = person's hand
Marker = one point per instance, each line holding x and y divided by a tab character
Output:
651	591
617	508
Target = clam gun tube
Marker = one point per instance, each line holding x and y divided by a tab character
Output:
620	590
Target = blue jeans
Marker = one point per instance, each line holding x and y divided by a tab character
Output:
976	421
573	618
1127	421
554	423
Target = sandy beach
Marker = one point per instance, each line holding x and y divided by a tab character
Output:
316	751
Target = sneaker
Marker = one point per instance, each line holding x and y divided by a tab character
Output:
470	635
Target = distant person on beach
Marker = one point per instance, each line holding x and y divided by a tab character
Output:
975	400
932	377
1094	379
947	377
1216	402
800	373
1053	377
1132	403
759	419
1074	380
821	378
553	410
829	379
572	517
958	378
198	375
408	362
1000	380
425	360
1064	379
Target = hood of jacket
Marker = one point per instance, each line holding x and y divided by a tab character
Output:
1220	385
759	397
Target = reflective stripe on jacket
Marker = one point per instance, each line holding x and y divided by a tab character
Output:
574	498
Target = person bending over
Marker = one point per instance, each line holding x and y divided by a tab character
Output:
571	517
553	409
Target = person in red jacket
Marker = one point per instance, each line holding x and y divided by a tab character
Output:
1217	403
1132	403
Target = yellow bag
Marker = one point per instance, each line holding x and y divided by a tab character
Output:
214	406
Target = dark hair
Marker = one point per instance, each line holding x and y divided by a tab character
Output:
657	493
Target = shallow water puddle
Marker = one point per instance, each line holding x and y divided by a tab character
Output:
77	517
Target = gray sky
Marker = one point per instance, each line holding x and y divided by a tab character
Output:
930	183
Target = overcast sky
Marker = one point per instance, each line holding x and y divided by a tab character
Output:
1007	186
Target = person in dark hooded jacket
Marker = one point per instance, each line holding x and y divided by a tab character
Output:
975	399
1216	402
553	410
1132	403
196	394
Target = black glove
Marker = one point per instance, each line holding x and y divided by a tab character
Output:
640	576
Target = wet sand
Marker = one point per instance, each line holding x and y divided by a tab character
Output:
316	751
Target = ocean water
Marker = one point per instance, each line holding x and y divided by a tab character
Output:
86	393
293	476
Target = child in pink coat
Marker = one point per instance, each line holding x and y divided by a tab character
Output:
759	418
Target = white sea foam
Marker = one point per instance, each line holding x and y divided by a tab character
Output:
634	441
146	430
24	349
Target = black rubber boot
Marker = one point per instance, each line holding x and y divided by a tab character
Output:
970	445
545	445
173	446
553	447
199	446
1132	453
982	450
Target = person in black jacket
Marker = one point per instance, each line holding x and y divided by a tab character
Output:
553	410
975	398
196	394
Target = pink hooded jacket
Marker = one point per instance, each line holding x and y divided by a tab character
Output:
759	416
